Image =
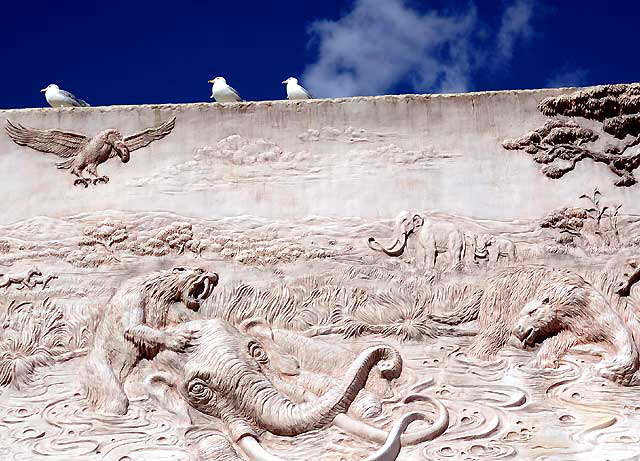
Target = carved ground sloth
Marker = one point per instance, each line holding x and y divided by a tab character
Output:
132	328
557	308
564	315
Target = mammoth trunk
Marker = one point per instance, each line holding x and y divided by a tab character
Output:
280	416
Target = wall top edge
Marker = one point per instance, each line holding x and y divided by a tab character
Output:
284	102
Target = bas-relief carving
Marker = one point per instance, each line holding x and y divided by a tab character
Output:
560	144
154	335
83	153
238	158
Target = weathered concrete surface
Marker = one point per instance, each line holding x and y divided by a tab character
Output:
283	212
481	179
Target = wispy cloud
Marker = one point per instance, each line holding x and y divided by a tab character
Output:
381	43
515	26
568	77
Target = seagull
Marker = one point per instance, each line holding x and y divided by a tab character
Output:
60	98
223	92
295	90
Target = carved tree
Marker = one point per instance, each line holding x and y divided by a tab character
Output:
568	221
176	237
596	218
106	233
559	144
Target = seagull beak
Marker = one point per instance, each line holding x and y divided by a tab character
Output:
209	81
284	81
43	90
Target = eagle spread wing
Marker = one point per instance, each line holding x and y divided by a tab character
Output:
60	143
146	137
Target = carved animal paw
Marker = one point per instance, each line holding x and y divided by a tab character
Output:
104	179
179	341
81	181
617	374
545	362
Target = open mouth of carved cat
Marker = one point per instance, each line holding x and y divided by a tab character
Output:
528	336
200	290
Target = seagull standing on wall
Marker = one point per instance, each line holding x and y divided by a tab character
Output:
61	98
222	92
295	90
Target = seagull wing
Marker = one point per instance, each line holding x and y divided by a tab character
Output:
60	143
304	90
146	137
76	101
235	93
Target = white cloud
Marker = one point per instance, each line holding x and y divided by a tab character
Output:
568	77
516	25
381	43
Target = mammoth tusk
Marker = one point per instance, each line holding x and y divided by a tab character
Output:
393	250
254	450
374	434
389	451
205	291
391	448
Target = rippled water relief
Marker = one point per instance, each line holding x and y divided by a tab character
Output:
499	410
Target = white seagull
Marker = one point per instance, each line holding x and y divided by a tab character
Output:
60	98
222	92
295	90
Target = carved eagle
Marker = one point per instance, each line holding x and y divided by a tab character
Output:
83	153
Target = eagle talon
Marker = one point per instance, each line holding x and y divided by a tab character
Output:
104	179
82	181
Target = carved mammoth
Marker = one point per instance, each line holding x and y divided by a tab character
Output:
243	377
315	373
492	248
434	239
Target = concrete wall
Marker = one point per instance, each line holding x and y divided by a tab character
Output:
373	157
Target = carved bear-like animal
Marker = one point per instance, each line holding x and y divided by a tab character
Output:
556	307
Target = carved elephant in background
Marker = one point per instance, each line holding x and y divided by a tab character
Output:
247	380
492	248
434	238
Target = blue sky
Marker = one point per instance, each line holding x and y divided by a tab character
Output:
164	52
